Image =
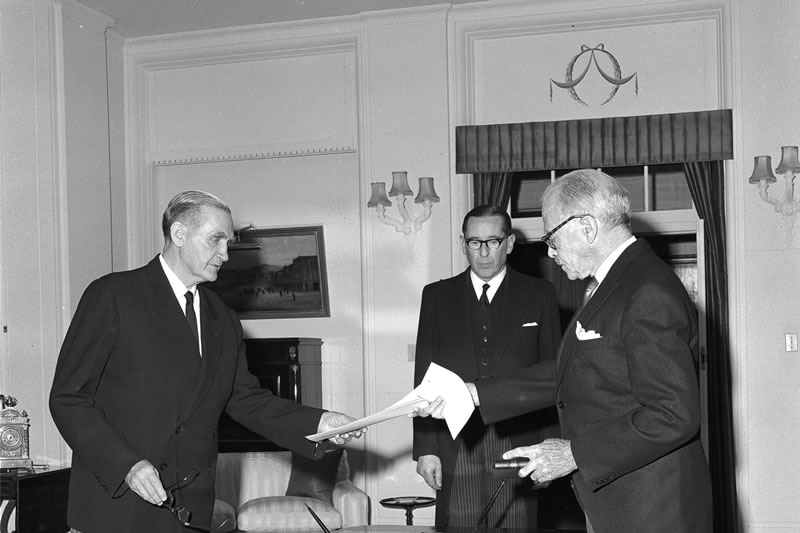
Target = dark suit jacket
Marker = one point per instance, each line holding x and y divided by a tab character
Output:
628	402
128	386
444	336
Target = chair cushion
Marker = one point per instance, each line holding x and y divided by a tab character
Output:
224	518
286	513
314	478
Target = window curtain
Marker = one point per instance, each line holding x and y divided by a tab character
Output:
602	142
491	188
701	140
707	187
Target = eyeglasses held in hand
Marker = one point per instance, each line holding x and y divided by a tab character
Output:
181	513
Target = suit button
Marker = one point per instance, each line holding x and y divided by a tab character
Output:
560	405
163	466
178	429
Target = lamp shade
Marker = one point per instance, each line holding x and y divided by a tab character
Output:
378	196
426	192
789	160
400	184
762	169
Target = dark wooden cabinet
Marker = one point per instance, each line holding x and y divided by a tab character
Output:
289	367
37	497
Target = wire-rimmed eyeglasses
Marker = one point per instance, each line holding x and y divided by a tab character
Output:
547	238
491	244
181	513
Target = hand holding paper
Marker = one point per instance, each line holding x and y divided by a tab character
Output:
437	382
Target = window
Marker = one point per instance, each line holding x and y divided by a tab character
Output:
651	188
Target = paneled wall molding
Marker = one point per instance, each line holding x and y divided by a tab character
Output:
85	15
471	26
344	146
279	36
552	17
146	58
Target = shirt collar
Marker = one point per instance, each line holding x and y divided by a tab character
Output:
175	282
608	262
494	283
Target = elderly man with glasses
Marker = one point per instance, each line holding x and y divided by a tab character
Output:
487	321
625	382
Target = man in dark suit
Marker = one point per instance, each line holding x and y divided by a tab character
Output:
487	321
148	364
625	382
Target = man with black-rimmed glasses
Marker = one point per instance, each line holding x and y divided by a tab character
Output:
489	320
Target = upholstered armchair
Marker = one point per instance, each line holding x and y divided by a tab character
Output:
269	491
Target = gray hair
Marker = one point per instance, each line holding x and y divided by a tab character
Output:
592	192
185	207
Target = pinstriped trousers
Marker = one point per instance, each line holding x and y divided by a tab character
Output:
474	483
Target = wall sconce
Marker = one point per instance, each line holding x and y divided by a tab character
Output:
407	224
763	176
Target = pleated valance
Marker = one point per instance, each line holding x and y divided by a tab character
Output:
601	142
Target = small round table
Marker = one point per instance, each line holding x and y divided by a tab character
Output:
409	503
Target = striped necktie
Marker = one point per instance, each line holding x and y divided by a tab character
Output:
591	285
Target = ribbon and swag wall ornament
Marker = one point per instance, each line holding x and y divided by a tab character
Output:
616	79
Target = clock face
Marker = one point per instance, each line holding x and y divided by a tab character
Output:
10	438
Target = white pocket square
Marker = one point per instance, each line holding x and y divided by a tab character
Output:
584	335
529	324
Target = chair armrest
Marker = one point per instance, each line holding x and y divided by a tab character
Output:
351	502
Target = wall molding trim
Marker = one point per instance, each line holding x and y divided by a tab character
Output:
189	158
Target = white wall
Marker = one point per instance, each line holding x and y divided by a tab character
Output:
54	192
770	419
414	76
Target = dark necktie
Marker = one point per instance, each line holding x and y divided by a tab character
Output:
591	285
484	296
191	318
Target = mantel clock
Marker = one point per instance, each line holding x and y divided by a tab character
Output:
14	443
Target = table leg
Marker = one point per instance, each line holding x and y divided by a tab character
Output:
10	506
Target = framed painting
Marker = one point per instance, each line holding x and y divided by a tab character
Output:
275	273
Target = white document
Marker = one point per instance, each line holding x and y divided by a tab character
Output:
438	381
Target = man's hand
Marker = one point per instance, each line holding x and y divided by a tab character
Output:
331	420
548	460
430	468
433	409
143	479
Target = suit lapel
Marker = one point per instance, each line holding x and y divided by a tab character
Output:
179	340
168	314
569	342
512	311
212	347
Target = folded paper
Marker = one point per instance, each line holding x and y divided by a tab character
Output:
437	381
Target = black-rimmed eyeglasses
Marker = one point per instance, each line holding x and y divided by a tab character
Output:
547	238
491	244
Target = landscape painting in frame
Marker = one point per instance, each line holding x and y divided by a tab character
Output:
275	273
